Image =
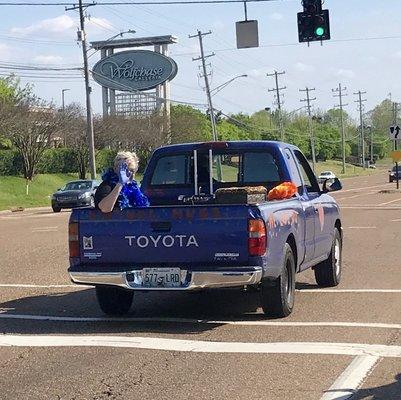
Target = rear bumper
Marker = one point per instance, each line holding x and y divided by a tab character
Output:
190	280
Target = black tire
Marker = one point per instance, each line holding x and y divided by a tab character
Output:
56	209
390	180
277	297
328	272
114	301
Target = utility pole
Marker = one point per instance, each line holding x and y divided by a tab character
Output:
360	101
395	118
310	123
206	75
339	92
88	89
278	90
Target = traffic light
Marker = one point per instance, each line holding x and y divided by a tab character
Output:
313	22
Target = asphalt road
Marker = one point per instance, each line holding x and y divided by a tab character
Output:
56	344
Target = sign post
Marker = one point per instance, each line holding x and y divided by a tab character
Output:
396	155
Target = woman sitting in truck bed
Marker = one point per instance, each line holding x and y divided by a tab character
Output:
119	188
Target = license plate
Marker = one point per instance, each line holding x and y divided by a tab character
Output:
161	277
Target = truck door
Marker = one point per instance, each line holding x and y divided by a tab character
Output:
307	207
312	193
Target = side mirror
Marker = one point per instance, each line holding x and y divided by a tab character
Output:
334	187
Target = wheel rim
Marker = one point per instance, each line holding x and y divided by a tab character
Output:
288	282
337	257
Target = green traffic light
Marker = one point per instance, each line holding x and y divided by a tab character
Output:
319	31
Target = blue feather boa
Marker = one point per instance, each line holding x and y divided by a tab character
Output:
130	195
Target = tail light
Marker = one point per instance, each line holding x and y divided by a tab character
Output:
257	241
73	239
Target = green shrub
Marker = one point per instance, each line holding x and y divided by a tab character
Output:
10	163
58	161
105	159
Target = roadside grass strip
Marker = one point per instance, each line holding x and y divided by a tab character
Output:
49	318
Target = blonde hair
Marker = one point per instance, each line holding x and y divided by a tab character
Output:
131	159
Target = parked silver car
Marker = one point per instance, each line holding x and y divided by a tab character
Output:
75	194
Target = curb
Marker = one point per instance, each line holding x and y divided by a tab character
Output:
26	209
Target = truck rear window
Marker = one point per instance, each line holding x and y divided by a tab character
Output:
229	168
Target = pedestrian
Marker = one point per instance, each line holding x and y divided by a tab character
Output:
119	188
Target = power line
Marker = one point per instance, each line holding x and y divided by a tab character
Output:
120	3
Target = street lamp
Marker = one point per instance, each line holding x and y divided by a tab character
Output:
62	97
223	85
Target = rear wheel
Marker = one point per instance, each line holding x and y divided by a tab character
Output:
114	301
56	209
328	272
277	296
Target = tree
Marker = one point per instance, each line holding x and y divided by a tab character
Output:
189	125
76	137
29	124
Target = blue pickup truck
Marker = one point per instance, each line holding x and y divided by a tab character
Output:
189	240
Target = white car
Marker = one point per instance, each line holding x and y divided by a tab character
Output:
326	175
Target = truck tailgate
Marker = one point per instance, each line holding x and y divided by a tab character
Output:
176	235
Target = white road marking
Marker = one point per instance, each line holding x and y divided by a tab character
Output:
355	196
396	220
369	207
50	318
389	202
352	378
360	227
366	187
347	349
45	229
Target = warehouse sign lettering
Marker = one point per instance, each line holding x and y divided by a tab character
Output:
134	70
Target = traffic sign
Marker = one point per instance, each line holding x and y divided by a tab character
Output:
395	132
396	156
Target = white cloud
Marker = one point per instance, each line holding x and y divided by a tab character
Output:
345	73
48	59
63	24
276	16
304	67
58	24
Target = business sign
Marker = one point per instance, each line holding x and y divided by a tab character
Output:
134	70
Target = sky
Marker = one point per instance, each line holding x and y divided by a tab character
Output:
364	53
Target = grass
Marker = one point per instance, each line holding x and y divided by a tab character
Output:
351	170
13	190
